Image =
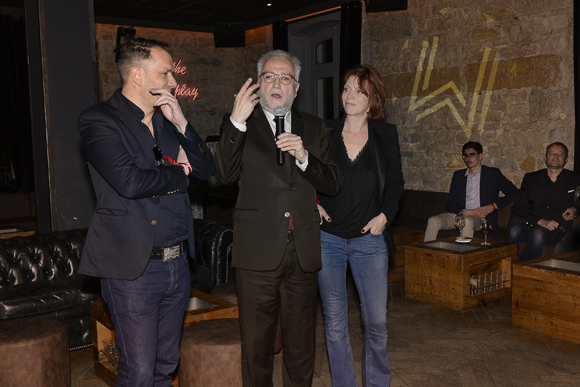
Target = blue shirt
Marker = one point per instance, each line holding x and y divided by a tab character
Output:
472	190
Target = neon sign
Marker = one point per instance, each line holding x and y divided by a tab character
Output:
182	90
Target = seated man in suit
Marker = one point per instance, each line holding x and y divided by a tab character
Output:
474	192
544	209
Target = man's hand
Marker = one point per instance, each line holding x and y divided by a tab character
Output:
323	214
170	108
549	224
484	211
376	225
569	214
292	143
245	102
467	212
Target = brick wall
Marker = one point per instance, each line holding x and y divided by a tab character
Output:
216	73
498	72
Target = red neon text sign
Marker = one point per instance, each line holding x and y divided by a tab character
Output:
182	90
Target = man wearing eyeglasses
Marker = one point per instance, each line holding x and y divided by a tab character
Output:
474	192
545	208
142	228
276	248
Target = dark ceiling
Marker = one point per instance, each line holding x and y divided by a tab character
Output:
198	15
203	15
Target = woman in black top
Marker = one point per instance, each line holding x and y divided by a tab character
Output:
367	152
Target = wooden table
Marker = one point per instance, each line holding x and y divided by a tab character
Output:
546	296
458	276
12	231
201	306
402	238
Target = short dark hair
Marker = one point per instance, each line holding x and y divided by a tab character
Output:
371	84
135	50
473	145
560	144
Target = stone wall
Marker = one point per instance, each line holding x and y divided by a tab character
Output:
495	71
211	75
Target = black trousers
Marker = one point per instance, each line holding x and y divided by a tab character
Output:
261	296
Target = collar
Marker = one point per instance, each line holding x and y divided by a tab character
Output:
136	110
476	173
287	119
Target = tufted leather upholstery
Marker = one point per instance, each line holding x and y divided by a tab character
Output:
39	275
39	278
214	249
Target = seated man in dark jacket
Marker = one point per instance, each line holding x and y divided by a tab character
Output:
474	192
545	209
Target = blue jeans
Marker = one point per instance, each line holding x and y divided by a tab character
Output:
147	314
570	241
369	261
536	235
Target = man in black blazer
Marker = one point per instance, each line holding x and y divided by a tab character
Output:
140	149
276	248
474	192
545	208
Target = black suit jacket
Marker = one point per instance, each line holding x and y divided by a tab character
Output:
491	183
384	147
128	184
268	193
530	203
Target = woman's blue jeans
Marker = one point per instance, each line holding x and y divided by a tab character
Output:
368	260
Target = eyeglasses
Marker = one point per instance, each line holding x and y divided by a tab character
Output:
269	77
469	156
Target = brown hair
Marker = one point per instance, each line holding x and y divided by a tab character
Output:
135	50
372	85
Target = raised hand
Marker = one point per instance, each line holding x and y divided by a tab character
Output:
245	102
170	108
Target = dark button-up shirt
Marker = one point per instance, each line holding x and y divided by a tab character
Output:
172	222
541	198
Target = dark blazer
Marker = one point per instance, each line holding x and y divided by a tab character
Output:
384	146
268	192
531	196
128	184
492	181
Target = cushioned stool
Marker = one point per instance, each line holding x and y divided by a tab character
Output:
34	353
211	354
229	293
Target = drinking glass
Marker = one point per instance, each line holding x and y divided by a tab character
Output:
460	224
485	229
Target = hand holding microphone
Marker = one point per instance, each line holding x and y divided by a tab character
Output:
279	114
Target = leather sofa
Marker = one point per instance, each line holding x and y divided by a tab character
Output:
39	276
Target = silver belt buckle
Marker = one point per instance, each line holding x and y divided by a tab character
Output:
170	253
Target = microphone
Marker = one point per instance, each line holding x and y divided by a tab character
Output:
279	114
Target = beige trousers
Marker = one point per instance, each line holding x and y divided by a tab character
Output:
446	221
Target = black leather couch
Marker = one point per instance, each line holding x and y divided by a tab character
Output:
39	276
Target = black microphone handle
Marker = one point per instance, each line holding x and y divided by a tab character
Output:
280	159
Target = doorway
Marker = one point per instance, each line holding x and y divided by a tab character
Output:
316	42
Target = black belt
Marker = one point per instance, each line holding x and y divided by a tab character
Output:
167	253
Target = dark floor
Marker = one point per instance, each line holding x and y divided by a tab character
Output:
433	346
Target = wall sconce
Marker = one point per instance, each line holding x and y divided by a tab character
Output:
128	33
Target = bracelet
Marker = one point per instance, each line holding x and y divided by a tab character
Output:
169	159
494	206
